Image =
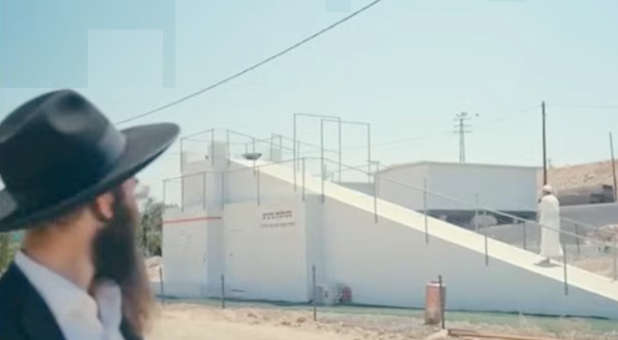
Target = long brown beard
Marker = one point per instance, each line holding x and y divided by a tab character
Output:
116	258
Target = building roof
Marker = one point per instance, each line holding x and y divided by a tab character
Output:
421	163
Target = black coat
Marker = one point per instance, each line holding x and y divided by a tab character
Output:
24	315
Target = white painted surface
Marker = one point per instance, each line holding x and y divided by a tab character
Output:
191	253
506	188
387	263
265	260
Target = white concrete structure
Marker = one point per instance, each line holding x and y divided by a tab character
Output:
502	187
268	237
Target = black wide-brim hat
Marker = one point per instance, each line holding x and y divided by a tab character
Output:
58	151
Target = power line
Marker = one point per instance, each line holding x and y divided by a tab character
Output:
600	107
252	67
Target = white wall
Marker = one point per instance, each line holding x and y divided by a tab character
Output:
499	187
242	186
263	262
192	253
387	263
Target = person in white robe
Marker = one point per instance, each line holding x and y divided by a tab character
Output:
549	220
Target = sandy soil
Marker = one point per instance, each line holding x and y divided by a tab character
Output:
571	176
192	321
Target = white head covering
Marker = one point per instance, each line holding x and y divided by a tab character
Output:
548	189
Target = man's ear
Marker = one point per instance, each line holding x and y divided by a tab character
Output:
103	207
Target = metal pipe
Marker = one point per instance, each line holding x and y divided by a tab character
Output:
204	178
164	192
304	179
525	237
182	172
294	147
182	193
615	256
577	239
564	261
271	146
442	302
425	210
322	157
253	144
315	298
375	197
257	177
369	152
476	212
182	156
222	190
486	250
212	147
162	286
222	291
228	151
340	151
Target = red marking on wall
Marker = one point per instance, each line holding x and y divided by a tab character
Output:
194	219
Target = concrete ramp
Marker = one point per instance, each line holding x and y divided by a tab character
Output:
389	262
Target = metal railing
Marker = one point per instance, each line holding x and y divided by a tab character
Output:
578	246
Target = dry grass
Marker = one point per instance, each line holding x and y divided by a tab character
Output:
193	321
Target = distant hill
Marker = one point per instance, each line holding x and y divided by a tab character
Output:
580	175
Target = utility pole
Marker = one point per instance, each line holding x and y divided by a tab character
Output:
544	145
611	149
461	130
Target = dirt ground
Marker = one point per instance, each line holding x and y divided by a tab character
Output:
191	321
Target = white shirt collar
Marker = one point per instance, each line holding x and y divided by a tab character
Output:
78	314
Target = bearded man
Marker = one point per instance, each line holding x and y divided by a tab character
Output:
69	183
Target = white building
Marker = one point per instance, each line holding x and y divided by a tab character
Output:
264	226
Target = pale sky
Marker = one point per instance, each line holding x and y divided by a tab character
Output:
405	66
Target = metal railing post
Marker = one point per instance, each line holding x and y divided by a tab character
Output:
212	147
525	236
164	192
486	250
257	180
442	302
476	212
615	256
304	187
375	196
293	144
228	146
425	210
577	239
222	291
161	284
271	146
182	156
182	193
222	190
564	260
340	159
322	158
204	179
369	153
315	297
